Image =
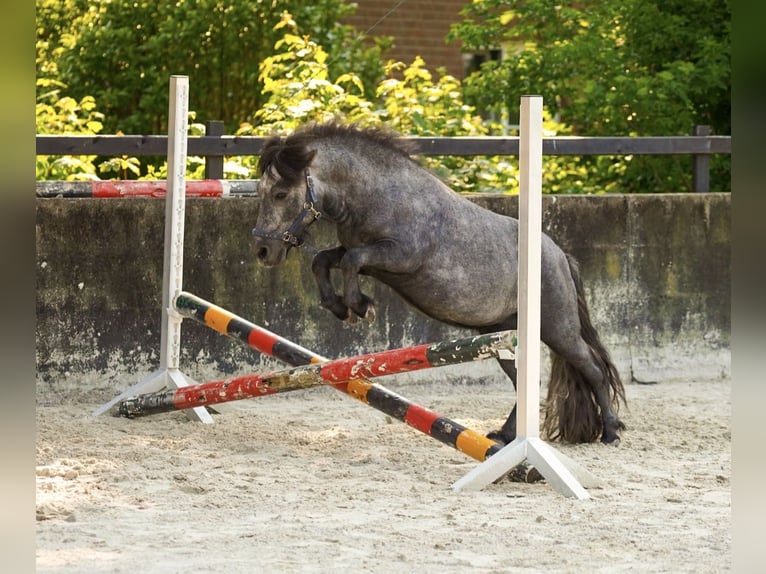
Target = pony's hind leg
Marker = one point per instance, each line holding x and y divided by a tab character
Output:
583	397
507	432
607	388
585	389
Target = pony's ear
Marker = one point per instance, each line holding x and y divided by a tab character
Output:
288	158
270	148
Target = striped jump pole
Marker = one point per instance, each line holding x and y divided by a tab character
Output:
256	337
144	188
449	432
339	373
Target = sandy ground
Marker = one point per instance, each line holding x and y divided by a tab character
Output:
314	481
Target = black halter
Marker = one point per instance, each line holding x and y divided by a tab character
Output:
294	235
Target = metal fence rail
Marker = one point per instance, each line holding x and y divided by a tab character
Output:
215	147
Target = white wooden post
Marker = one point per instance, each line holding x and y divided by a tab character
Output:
556	468
530	253
168	375
175	206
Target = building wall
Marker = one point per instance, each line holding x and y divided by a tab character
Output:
419	27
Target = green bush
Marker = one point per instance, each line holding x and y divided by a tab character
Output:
301	80
65	115
609	68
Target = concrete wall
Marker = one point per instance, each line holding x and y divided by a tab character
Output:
657	270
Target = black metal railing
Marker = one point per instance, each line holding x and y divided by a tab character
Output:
215	146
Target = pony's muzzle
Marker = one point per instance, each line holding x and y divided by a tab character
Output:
269	252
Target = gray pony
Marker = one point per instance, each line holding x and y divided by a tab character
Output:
446	256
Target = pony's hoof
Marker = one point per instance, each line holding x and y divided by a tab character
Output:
533	475
524	473
517	474
497	437
369	316
351	318
611	440
611	432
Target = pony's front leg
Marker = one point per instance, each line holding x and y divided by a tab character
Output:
388	256
323	262
359	304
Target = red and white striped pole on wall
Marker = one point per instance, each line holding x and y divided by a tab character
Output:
144	188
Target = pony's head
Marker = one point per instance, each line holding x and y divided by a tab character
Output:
286	191
287	197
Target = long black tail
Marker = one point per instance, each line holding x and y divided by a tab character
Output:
572	410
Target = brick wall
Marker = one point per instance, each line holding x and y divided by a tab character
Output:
419	27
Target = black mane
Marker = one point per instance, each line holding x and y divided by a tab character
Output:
290	156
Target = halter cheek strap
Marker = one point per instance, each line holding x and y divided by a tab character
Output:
294	236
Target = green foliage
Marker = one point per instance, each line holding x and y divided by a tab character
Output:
122	167
299	85
410	100
609	68
65	115
124	51
603	68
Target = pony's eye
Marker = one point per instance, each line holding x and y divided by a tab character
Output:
280	195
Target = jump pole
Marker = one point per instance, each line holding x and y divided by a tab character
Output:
376	396
168	375
338	373
556	468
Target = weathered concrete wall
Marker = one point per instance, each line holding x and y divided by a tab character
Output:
656	269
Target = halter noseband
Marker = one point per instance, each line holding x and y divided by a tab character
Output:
294	235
